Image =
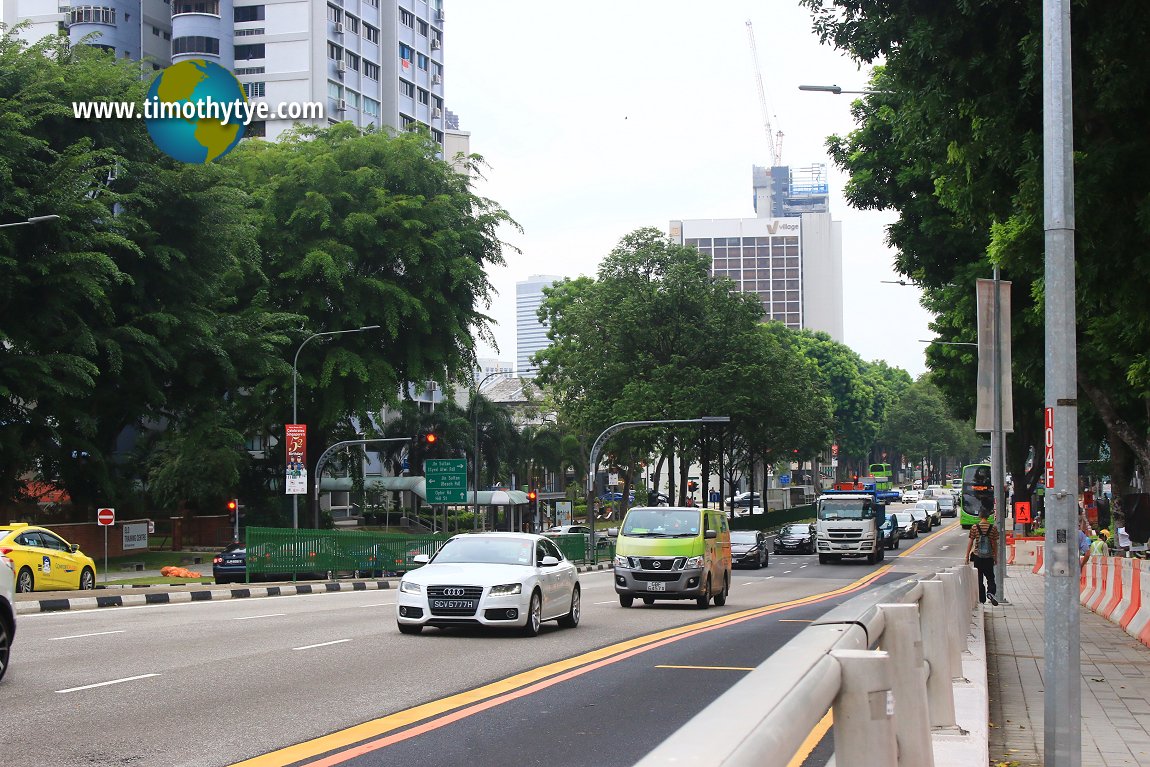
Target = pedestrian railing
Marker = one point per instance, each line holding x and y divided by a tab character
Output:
884	663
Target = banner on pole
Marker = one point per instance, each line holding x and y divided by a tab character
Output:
295	480
984	412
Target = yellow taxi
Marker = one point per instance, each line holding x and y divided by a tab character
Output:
44	561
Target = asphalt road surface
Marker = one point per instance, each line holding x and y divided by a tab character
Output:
327	679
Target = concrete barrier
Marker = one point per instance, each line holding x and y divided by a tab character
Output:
1089	582
1039	564
1134	603
1102	592
1025	550
1123	586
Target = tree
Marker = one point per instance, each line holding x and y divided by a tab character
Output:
919	425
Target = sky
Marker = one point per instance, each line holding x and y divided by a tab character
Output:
599	117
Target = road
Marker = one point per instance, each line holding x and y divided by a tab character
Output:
281	680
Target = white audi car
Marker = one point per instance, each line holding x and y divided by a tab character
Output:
490	579
7	611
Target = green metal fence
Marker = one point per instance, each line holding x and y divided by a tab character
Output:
287	554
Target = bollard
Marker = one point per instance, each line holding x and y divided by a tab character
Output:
863	710
902	638
956	631
936	651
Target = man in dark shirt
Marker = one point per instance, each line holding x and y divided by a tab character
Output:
982	551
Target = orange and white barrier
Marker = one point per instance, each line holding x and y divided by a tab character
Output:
1039	564
1102	592
1113	588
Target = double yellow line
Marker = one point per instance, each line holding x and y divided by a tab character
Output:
402	725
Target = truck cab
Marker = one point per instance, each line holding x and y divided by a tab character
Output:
848	522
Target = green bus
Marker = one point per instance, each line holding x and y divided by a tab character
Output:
977	494
883	478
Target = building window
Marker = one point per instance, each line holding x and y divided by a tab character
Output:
371	3
352	24
421	60
406	51
437	70
211	7
196	44
248	13
156	31
370	107
370	33
334	14
250	32
167	35
424	96
249	71
92	14
406	17
423	27
370	71
254	90
437	102
256	129
407	88
438	136
352	98
245	52
334	91
352	61
334	52
405	122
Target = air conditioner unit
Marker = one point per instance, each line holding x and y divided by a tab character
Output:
341	66
339	27
435	43
437	112
341	105
437	79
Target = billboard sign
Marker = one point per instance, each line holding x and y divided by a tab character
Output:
295	480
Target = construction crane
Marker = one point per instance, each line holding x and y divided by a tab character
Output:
774	140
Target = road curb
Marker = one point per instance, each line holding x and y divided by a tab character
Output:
202	595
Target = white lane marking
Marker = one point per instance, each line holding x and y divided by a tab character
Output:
943	548
787	571
768	577
81	636
250	617
801	566
105	684
379	604
321	644
606	603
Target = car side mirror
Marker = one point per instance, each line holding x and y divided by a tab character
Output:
421	559
612	532
74	547
710	534
549	561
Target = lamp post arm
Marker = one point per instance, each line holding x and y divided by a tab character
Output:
345	443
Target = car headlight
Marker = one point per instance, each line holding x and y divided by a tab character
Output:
694	562
621	561
407	587
506	590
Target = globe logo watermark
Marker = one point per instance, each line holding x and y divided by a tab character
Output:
196	111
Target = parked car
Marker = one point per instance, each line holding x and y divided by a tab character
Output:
231	564
747	499
890	533
44	561
932	509
7	611
490	579
908	528
797	537
749	547
921	518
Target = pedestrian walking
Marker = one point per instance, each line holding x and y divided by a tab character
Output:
982	551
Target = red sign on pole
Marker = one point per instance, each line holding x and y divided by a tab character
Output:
296	446
1048	480
1022	513
106	517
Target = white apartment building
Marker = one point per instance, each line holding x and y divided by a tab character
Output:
372	62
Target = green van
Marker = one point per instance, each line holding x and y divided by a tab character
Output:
672	553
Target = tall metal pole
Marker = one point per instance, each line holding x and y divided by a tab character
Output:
998	445
294	399
1062	672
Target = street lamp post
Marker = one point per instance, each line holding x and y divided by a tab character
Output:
294	400
837	89
475	428
32	220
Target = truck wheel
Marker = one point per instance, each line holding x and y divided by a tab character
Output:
626	601
721	597
704	601
822	559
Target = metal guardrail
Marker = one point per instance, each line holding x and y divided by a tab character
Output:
884	663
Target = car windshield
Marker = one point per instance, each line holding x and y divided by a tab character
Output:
917	513
486	550
661	523
846	508
743	536
796	530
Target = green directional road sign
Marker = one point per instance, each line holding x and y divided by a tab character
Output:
446	480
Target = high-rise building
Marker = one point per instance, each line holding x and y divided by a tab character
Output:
791	262
372	62
530	333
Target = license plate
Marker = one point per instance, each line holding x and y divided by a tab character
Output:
233	561
656	586
453	604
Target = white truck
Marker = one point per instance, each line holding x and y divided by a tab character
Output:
848	525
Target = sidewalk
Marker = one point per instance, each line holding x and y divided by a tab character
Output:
1115	682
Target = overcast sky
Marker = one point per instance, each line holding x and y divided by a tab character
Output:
599	117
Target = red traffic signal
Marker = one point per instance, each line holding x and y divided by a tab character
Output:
232	505
692	486
531	495
431	438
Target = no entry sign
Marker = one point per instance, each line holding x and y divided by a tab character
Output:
106	517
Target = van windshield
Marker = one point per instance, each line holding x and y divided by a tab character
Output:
846	508
661	523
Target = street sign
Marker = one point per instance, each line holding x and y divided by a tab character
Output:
784	479
1022	512
1048	480
445	480
106	517
135	536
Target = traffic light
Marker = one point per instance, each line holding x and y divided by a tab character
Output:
430	438
692	486
233	509
531	496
